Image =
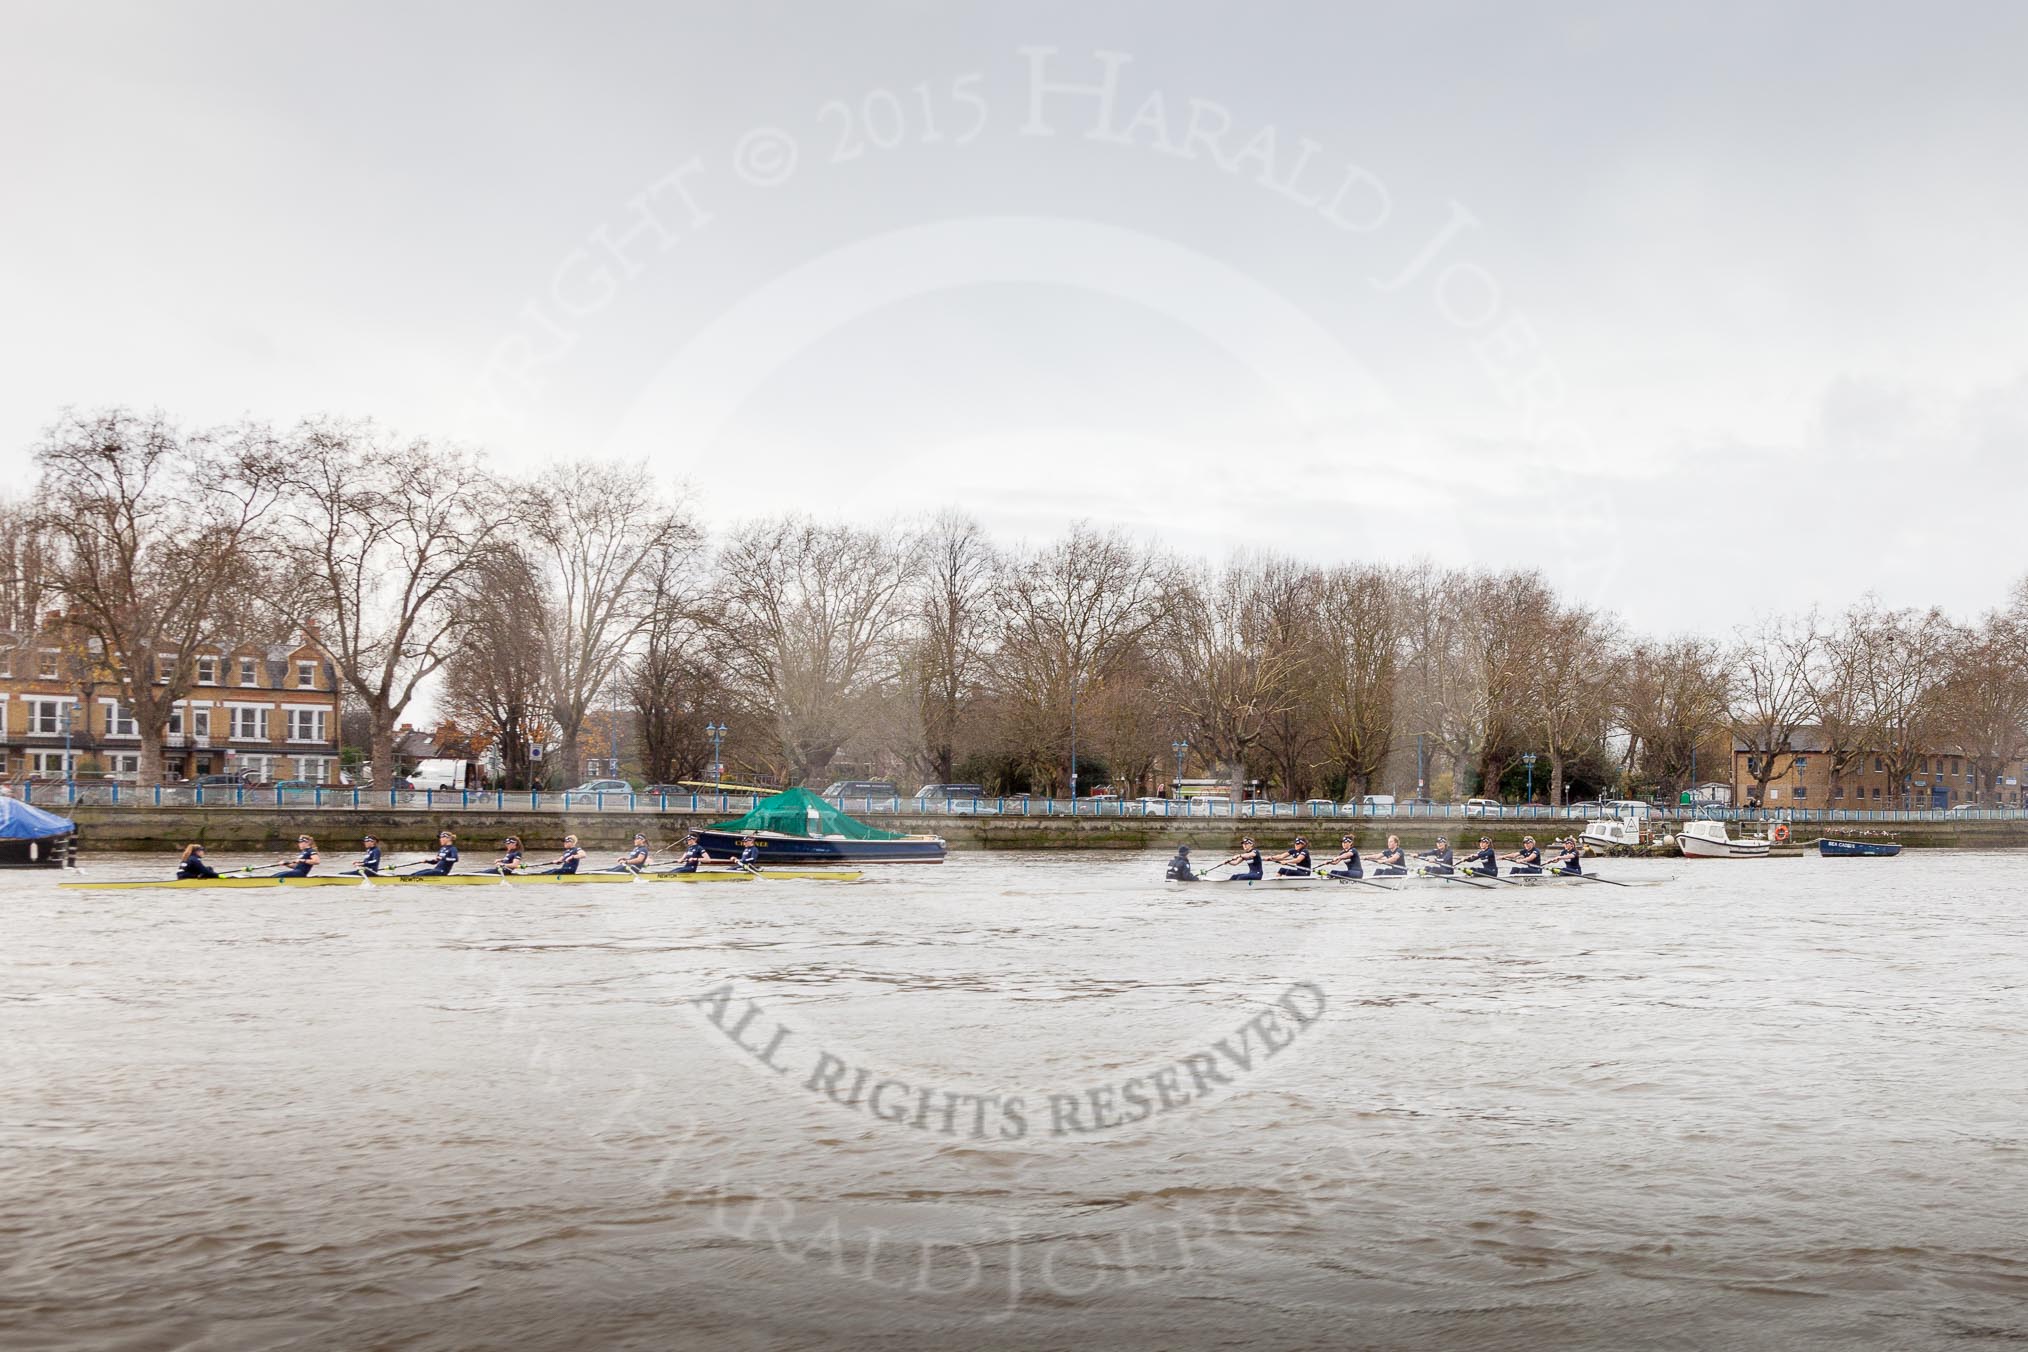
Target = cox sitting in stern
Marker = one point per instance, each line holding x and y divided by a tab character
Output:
1179	870
192	865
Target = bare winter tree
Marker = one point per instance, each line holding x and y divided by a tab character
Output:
602	534
1228	668
1569	681
954	624
674	690
1985	695
809	624
1071	614
377	540
1769	701
1902	667
1670	702
1503	624
1360	647
497	678
150	531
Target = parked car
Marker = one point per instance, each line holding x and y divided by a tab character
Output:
862	788
603	786
1320	807
667	790
1153	807
1972	807
1372	804
225	781
1483	807
1210	802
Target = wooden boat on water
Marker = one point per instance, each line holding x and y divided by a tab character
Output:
797	827
1858	849
403	882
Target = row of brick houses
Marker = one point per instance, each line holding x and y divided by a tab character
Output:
262	710
1941	779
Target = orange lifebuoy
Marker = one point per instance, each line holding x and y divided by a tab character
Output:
1781	833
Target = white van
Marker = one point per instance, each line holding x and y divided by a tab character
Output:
1373	805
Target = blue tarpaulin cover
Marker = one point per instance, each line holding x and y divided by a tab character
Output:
20	821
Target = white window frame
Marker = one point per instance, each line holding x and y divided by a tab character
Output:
117	714
207	671
316	769
123	764
62	764
306	675
249	672
258	765
49	664
258	715
35	705
318	716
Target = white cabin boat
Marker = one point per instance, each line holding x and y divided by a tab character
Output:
1708	840
1613	835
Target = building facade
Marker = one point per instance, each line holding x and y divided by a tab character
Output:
1942	779
267	712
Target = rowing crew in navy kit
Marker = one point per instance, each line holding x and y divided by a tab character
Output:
1392	862
192	865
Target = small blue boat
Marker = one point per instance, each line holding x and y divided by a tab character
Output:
1858	849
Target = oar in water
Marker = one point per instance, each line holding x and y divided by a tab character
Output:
1453	878
1332	877
1588	878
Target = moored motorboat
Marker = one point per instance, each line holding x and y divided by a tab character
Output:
32	838
1706	839
798	827
1858	849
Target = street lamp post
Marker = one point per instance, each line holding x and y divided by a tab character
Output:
1528	759
1179	748
716	731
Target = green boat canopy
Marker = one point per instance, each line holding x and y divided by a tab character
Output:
798	812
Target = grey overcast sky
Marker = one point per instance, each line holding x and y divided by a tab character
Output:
1702	309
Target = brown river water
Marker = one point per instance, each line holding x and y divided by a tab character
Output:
1021	1102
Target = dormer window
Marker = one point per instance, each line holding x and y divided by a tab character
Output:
207	671
306	675
248	671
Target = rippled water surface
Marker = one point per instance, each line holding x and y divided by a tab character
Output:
1774	1103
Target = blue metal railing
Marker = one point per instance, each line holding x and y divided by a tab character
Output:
68	793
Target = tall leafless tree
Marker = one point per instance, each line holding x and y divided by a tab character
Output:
152	534
497	678
377	539
1072	613
602	534
952	642
809	624
1360	640
1769	702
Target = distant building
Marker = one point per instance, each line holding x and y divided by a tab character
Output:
267	711
1942	779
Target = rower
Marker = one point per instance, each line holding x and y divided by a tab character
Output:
1482	862
510	856
368	865
305	860
693	855
1438	859
439	864
1527	859
634	860
1391	861
1249	860
1348	855
567	862
1179	870
1571	858
192	865
749	852
1295	860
